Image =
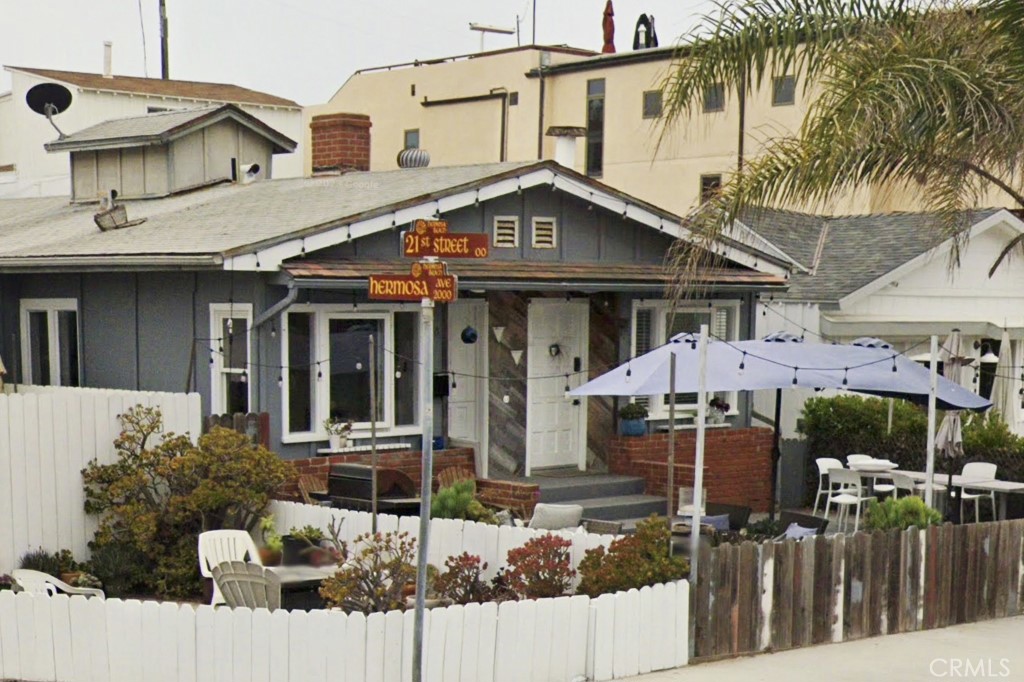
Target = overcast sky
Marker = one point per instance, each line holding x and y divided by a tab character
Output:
300	49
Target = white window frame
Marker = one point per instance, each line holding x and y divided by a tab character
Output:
494	232
659	330
533	232
322	314
218	372
50	306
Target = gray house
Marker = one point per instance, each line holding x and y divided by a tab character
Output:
252	291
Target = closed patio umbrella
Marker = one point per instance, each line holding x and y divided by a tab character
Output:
1004	393
949	440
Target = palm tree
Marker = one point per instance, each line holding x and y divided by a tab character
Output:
904	95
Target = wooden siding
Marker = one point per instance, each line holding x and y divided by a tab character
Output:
601	357
507	424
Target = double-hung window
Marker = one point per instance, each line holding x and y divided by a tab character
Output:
230	387
327	369
49	342
656	322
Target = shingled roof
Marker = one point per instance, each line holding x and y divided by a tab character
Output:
856	250
195	90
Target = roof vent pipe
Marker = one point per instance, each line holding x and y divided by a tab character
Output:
565	143
108	59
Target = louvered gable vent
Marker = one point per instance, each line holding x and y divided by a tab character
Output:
544	233
506	232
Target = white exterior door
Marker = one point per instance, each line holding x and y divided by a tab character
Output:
556	425
467	398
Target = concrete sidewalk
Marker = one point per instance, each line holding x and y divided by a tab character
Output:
990	650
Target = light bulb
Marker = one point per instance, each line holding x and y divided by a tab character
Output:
359	365
505	399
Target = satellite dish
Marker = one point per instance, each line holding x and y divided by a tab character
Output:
49	99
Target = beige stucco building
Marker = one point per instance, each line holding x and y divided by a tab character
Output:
496	106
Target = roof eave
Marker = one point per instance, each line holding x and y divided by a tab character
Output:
109	262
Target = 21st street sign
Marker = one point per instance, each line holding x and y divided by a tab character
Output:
425	280
430	238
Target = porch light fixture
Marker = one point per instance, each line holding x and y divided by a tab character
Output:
499	333
987	356
554	350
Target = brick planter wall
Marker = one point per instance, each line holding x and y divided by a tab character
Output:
737	463
513	494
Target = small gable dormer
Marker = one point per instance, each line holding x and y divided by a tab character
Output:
164	153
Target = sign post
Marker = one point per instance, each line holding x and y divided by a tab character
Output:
428	282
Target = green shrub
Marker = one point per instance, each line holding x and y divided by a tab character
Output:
633	411
123	569
458	501
41	560
310	534
893	514
160	493
461	582
632	561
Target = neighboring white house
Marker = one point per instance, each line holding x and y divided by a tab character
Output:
27	170
889	276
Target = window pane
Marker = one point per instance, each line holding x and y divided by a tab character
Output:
595	87
643	340
235	340
783	90
350	368
406	368
67	331
652	104
685	323
710	185
412	139
714	98
39	348
301	373
595	127
236	393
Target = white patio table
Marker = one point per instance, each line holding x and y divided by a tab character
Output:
1001	488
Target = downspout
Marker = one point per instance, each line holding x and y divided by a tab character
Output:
503	139
540	118
272	311
742	99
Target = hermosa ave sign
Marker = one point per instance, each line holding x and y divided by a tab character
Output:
425	280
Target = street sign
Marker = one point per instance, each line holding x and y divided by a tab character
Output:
424	281
430	238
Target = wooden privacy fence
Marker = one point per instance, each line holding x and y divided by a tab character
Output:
47	436
253	424
773	596
448	537
78	640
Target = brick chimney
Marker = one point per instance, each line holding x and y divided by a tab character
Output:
340	142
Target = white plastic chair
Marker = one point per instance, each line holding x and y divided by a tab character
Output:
825	489
978	471
37	582
248	585
851	495
851	459
220	546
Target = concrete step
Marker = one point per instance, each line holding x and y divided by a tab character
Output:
622	507
574	488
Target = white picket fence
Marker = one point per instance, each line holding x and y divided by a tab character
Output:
47	436
57	639
448	537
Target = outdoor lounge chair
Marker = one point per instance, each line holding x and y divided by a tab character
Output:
313	490
818	523
555	516
248	585
218	546
738	515
37	582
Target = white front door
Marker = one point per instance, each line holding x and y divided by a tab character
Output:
556	425
467	397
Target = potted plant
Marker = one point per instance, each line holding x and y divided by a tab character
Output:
270	552
337	432
633	420
717	410
296	545
6	582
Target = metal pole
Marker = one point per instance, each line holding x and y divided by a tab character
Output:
427	397
671	480
533	24
776	452
698	463
165	52
373	433
933	388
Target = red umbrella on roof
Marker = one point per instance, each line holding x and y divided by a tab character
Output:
608	24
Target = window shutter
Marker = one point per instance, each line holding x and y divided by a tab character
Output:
506	232
543	233
643	334
720	325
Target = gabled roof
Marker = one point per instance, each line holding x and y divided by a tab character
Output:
259	226
162	127
206	92
855	250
